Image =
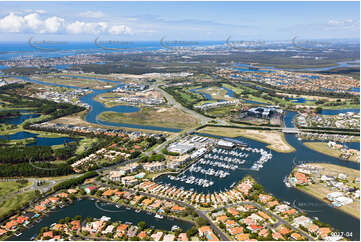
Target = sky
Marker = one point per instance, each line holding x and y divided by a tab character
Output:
144	21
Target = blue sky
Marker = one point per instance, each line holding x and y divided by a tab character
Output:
179	20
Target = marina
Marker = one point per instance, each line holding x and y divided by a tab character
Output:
220	163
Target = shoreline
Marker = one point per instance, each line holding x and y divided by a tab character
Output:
338	208
308	145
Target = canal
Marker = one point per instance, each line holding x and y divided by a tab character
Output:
89	208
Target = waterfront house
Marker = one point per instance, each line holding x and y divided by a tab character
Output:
3	231
39	208
11	225
272	203
177	208
121	230
324	232
169	237
132	231
333	195
302	220
142	235
75	225
47	235
157	236
109	229
89	189
182	237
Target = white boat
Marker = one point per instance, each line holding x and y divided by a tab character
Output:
158	216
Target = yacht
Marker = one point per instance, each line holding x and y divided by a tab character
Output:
158	216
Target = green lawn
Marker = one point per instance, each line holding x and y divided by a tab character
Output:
9	200
163	117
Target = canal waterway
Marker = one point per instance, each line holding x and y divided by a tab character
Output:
91	208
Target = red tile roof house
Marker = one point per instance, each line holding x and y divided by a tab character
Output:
142	235
47	235
235	230
242	237
11	225
277	236
3	231
39	208
207	232
233	211
254	227
296	236
75	225
301	178
21	219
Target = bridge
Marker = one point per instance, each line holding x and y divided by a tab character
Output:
290	130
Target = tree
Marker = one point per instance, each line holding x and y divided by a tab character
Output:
201	221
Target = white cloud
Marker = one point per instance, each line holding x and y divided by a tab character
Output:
92	14
79	27
34	23
340	22
11	23
53	24
119	29
39	11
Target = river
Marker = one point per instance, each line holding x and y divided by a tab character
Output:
97	107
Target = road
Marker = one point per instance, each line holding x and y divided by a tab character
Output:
174	103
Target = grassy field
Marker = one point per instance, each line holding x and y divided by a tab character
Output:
78	120
323	148
275	139
220	112
9	200
78	82
216	93
163	117
109	102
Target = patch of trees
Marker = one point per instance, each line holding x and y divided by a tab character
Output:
20	154
38	169
166	152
